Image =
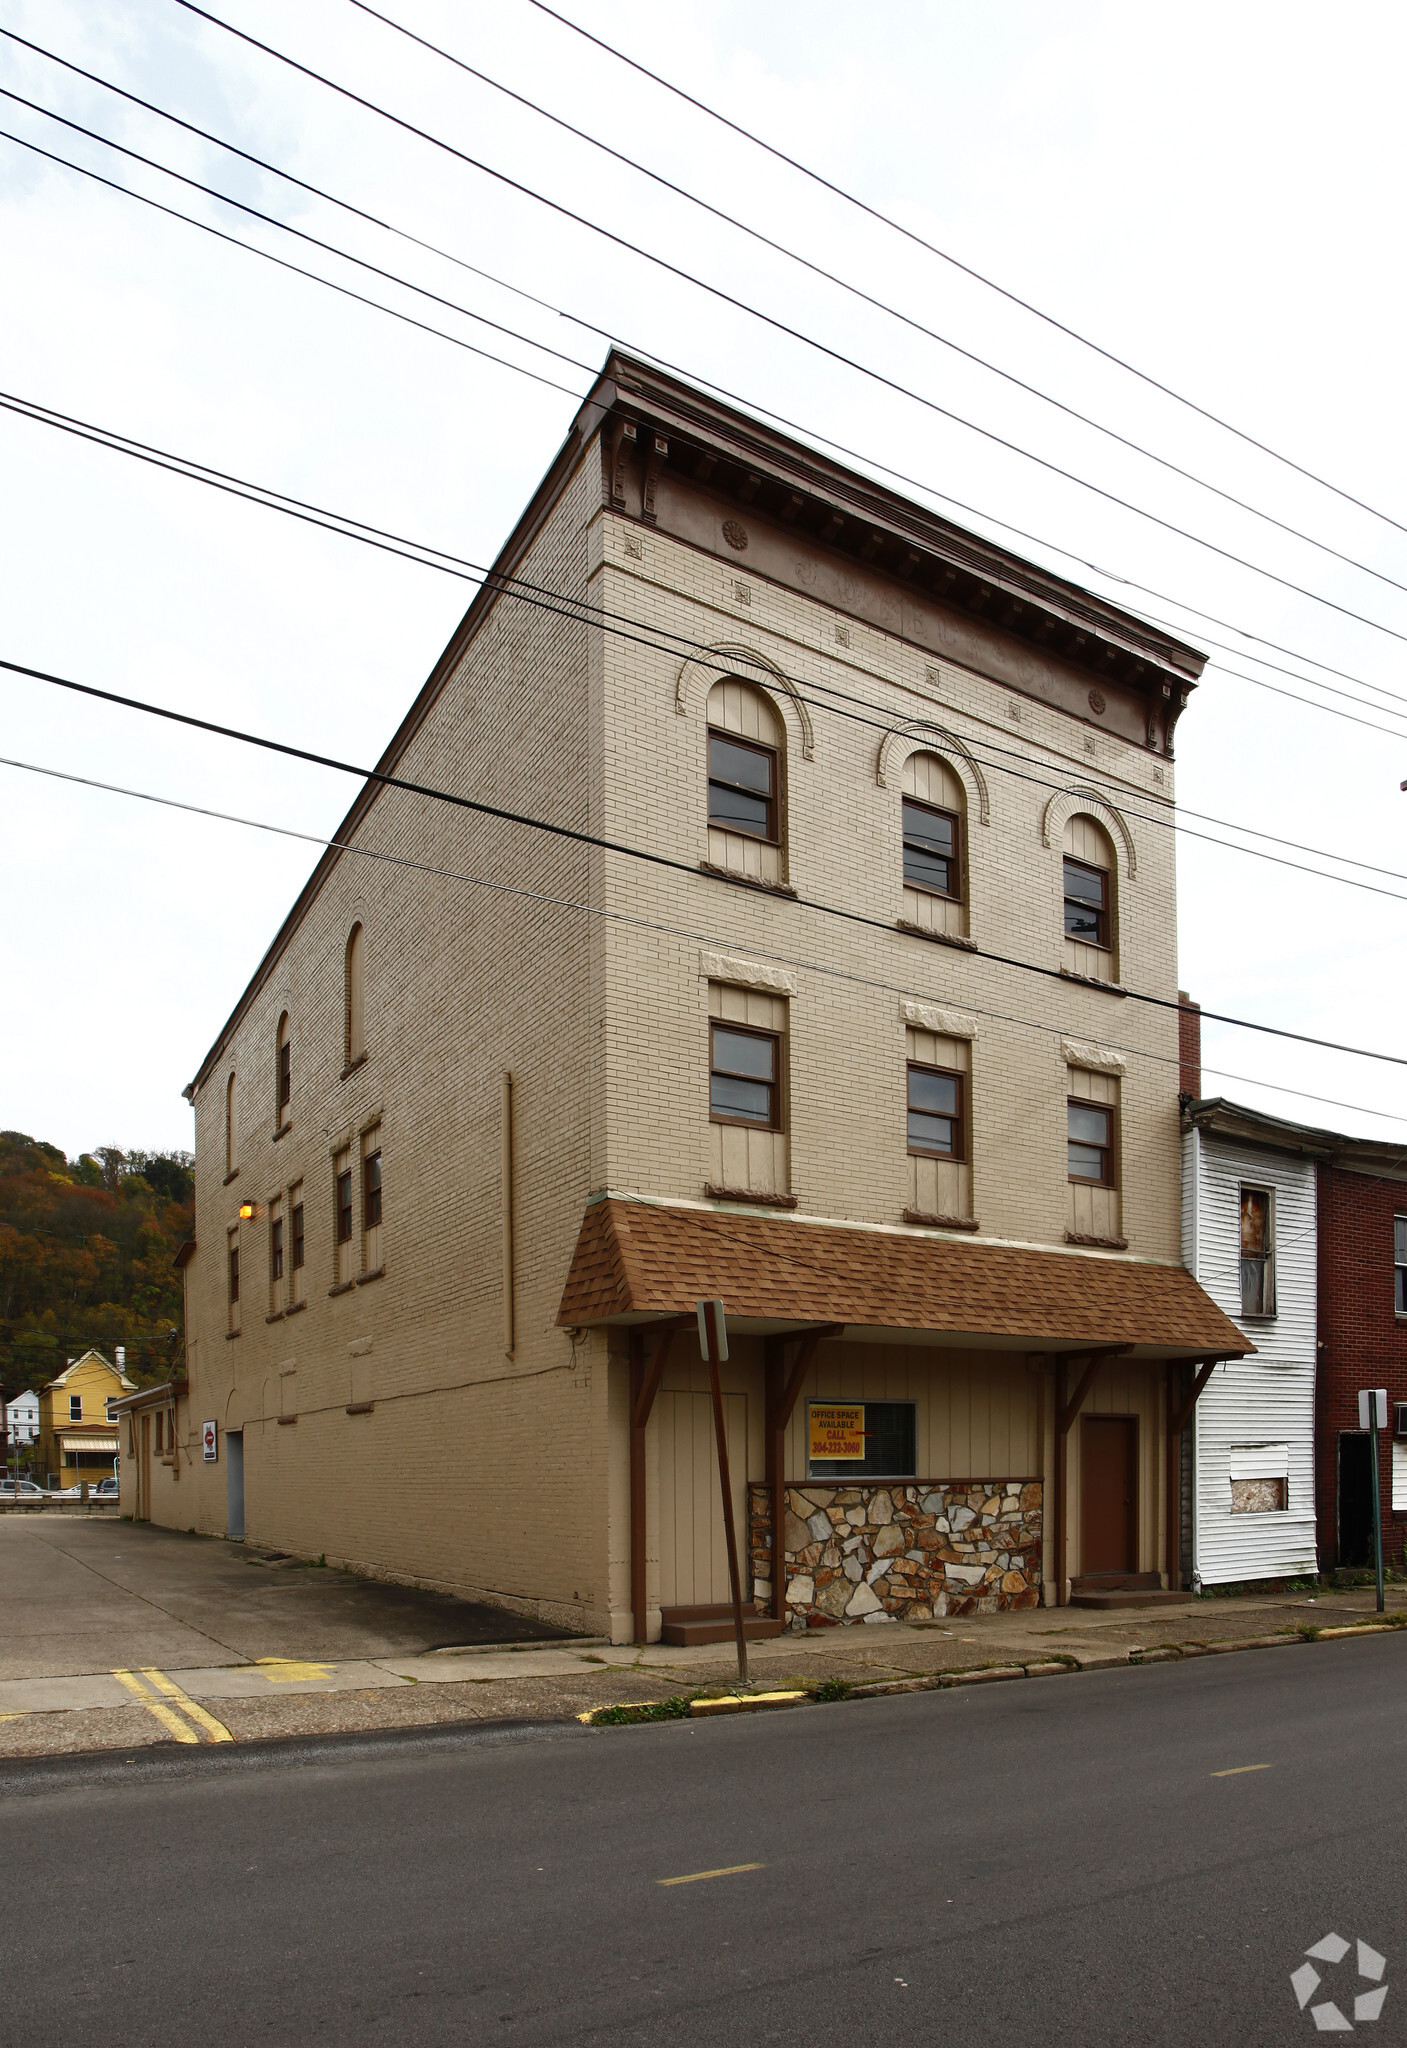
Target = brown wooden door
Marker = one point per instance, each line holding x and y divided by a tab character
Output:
1108	1494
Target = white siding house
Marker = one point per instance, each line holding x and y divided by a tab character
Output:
22	1419
1249	1237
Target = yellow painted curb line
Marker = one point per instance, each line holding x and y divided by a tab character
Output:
174	1725
216	1730
746	1703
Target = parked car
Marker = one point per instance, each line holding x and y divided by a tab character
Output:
106	1489
27	1490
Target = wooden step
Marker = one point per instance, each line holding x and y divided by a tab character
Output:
1151	1596
755	1628
1116	1582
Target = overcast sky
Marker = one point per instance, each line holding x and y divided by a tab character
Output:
1212	193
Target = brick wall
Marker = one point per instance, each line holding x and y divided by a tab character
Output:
1362	1341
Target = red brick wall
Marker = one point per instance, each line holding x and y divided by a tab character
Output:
1361	1341
1189	1046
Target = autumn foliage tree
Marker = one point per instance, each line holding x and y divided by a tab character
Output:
86	1249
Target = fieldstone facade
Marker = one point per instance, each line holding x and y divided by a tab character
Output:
901	1553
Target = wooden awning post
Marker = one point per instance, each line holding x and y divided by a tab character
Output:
645	1377
713	1331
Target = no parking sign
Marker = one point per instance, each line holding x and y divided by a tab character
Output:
209	1440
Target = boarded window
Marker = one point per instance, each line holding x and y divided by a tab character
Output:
1260	1478
354	997
1257	1253
1258	1496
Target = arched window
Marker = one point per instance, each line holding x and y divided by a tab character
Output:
746	756
1090	900
283	1091
935	849
231	1134
354	998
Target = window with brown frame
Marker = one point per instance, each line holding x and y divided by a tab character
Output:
276	1249
284	1089
935	1112
1086	903
344	1206
1090	1143
744	1077
742	787
295	1218
371	1190
930	849
234	1274
1257	1253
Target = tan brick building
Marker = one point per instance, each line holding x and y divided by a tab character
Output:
853	1050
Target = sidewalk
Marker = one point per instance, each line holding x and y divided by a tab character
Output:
285	1696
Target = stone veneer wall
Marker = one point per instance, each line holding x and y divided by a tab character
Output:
901	1553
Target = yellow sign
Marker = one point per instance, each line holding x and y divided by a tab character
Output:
837	1432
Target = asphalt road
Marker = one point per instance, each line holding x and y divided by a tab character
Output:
1054	1861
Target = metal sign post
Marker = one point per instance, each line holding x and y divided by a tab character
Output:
713	1342
1372	1416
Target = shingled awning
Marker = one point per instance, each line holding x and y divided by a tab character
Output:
637	1260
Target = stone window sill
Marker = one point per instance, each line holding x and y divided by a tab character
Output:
1108	988
708	867
922	931
1097	1244
942	1222
365	1279
282	1131
286	1421
342	1287
275	1316
352	1065
756	1201
230	1336
233	1174
295	1308
361	1407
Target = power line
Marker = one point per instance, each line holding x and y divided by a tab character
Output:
910	235
575	836
704	938
778	418
662	640
858	292
793	333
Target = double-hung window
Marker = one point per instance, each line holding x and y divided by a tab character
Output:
1399	1264
75	1407
1089	1143
344	1205
935	1113
745	1077
930	849
1257	1253
742	787
1086	903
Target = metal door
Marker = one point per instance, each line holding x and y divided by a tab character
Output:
1108	1494
234	1484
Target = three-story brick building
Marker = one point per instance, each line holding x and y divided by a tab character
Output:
825	996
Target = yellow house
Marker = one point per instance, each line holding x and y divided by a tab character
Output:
77	1426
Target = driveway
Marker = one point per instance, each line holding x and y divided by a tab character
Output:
85	1595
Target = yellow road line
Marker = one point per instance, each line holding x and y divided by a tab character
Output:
182	1730
289	1671
697	1876
216	1730
1241	1770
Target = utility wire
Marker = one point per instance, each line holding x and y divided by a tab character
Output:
576	319
910	235
868	298
575	836
661	640
793	333
704	938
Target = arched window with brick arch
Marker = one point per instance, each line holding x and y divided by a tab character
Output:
1091	899
354	998
746	782
934	830
283	1075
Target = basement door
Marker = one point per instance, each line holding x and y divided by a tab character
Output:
693	1547
1108	1494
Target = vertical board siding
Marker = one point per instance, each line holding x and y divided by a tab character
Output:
693	1548
977	1413
1266	1399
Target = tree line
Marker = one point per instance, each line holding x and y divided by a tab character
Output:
86	1250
